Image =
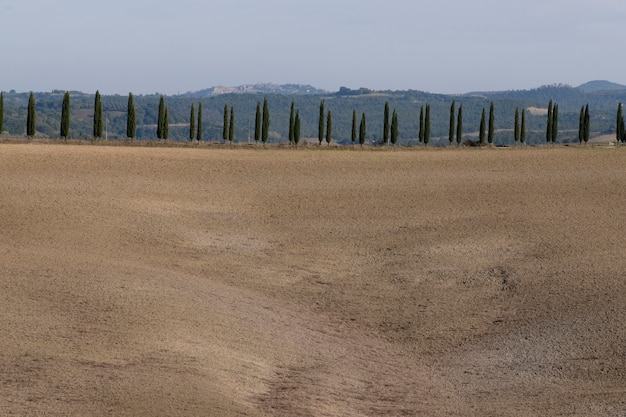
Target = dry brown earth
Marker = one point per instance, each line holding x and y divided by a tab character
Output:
232	282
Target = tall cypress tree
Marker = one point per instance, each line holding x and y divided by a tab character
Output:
65	116
581	125
225	125
31	117
161	119
353	126
192	122
394	127
166	125
451	128
1	112
549	123
522	129
620	129
257	123
491	124
97	116
555	122
292	121
618	123
587	124
516	126
329	128
459	126
266	122
481	130
231	127
296	128
199	132
131	122
420	135
320	129
362	131
427	125
386	123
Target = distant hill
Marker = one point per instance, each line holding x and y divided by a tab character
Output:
261	88
600	85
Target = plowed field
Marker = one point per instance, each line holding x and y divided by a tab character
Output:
139	281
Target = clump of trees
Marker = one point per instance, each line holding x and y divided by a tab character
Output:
552	129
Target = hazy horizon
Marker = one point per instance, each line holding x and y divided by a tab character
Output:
151	46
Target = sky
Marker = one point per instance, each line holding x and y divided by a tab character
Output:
439	46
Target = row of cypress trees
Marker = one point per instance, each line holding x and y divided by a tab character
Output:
262	121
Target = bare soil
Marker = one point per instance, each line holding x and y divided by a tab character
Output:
274	282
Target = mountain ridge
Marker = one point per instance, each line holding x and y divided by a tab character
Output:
307	89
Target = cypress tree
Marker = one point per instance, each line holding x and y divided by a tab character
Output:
516	126
386	124
353	126
231	127
65	116
622	130
555	122
266	122
257	123
587	124
199	132
320	130
481	131
427	125
618	123
31	117
451	129
166	125
1	112
131	122
491	124
329	128
362	130
394	127
161	119
292	122
420	135
97	116
549	124
192	123
522	129
459	126
296	128
581	125
225	126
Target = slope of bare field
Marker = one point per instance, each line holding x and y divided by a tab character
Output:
219	282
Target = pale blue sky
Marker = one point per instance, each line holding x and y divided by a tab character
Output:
442	46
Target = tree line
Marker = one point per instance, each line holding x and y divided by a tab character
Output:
390	123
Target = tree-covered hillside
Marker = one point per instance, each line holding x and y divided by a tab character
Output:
342	104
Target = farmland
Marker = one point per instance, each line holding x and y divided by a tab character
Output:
143	281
